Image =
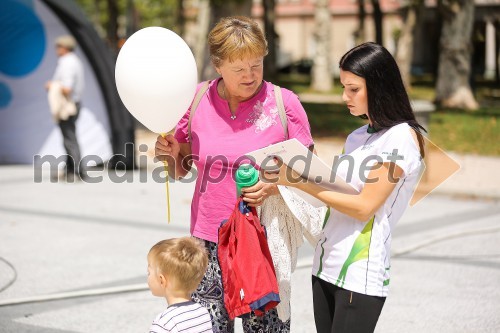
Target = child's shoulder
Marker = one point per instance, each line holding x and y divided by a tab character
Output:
185	303
162	319
187	306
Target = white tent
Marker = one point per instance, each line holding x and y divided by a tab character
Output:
28	29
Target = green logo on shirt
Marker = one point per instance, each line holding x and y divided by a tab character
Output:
359	251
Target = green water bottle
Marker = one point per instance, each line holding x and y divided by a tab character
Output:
245	176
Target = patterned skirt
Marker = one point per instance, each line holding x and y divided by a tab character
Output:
210	294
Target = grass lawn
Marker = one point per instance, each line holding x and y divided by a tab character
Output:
472	132
475	132
331	120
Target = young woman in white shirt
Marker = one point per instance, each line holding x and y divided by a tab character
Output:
383	161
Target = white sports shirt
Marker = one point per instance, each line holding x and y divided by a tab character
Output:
353	254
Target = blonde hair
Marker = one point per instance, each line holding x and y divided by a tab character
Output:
183	259
236	37
66	41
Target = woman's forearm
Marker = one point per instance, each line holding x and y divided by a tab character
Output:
363	205
348	204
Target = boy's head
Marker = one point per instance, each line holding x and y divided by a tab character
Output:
177	264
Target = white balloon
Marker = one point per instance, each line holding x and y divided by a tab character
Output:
156	77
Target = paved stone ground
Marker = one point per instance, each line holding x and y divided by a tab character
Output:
69	238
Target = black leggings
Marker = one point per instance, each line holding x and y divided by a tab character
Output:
337	310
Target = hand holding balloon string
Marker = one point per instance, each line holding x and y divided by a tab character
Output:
156	78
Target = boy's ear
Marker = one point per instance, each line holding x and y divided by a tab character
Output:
163	280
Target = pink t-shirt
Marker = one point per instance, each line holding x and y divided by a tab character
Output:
220	143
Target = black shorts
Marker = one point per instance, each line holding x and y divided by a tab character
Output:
338	310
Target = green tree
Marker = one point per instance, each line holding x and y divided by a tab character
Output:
377	20
359	35
216	10
322	79
118	19
452	88
270	62
404	51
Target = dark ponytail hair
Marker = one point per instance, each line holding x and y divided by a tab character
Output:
388	102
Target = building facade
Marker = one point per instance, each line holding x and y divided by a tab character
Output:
294	25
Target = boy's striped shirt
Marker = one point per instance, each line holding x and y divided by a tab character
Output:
185	317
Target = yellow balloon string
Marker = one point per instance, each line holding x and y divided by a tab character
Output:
165	165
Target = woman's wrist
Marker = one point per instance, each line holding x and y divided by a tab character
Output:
273	189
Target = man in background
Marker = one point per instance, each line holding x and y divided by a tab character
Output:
66	87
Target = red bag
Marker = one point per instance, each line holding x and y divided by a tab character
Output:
248	275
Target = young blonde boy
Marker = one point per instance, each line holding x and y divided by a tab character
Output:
175	268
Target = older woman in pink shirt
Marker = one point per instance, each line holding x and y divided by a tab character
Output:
237	114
